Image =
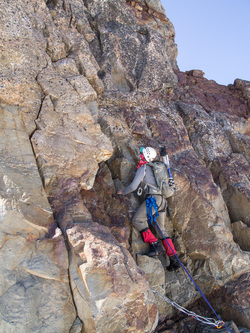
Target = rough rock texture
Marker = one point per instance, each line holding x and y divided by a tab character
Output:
66	123
235	301
34	265
134	27
85	84
241	235
110	295
194	88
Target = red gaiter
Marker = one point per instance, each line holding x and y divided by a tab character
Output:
148	237
169	247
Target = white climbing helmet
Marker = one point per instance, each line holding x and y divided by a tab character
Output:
149	154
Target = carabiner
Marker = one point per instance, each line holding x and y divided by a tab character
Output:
220	324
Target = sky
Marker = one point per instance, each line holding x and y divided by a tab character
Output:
213	36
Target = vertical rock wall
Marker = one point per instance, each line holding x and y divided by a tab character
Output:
85	84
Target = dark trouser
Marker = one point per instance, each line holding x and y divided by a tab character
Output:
139	220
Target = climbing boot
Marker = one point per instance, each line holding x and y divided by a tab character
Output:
174	263
155	249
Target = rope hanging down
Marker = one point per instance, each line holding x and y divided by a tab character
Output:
151	203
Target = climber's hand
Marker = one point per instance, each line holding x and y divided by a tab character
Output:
119	191
163	151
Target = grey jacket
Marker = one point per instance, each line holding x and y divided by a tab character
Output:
145	174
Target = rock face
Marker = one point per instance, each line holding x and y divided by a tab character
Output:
84	85
34	261
237	301
113	295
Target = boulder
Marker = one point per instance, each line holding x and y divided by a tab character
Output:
111	293
155	274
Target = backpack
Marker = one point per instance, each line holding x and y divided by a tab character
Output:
162	179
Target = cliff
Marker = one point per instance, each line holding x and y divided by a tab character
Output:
84	85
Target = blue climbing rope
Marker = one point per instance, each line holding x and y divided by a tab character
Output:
151	203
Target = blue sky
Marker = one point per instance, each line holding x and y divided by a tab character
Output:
213	36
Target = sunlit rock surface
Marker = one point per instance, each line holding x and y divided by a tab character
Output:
34	281
84	85
111	293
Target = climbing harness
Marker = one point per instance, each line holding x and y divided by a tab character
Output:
209	321
151	203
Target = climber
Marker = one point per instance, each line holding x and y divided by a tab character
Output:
144	178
